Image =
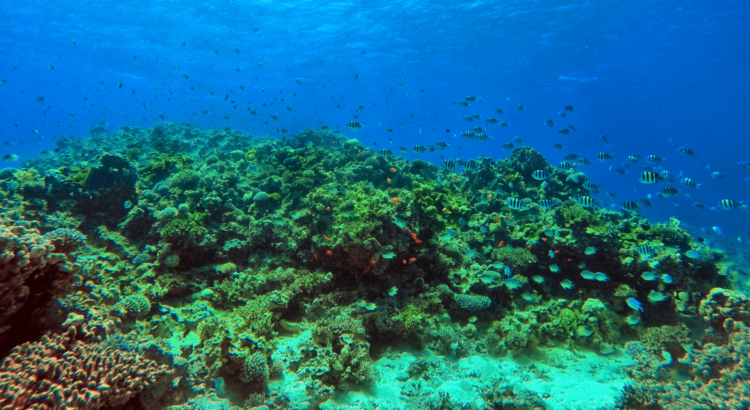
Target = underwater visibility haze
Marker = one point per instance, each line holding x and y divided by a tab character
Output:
374	205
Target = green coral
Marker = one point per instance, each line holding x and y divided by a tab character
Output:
445	206
514	257
182	228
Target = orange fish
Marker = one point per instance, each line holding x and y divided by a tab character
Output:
327	238
372	262
329	253
489	196
393	169
544	239
404	261
570	260
389	180
454	178
509	218
137	191
395	200
328	208
413	260
497	218
556	252
500	245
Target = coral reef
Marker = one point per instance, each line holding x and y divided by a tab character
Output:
268	272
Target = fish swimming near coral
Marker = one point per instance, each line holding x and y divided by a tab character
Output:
567	284
634	304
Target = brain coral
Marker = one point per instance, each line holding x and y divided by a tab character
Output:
473	303
59	372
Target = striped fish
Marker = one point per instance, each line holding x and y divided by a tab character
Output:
717	175
548	122
518	140
515	203
386	153
549	203
668	191
467	135
586	201
571	157
477	129
503	124
566	166
689	183
558	146
491	120
564	131
685	151
654	159
419	149
604	156
540	174
629	206
632	159
482	137
471	166
583	161
354	125
441	145
476	116
645	251
727	204
460	162
649	177
448	164
336	145
508	145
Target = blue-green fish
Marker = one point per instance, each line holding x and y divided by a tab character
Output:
601	277
447	235
584	331
470	254
393	291
530	298
538	279
512	284
587	274
489	277
649	276
389	255
666	278
693	254
497	265
656	297
635	304
632	320
590	251
400	223
554	268
567	284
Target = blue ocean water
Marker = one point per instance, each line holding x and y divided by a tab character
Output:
649	75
